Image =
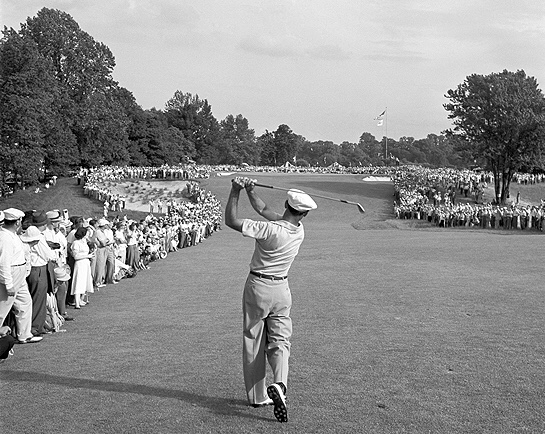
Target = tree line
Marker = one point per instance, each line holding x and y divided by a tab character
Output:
61	109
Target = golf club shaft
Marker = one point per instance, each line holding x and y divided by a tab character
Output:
317	195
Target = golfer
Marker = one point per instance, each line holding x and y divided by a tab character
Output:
266	301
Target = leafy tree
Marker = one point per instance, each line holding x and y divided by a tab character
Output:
371	148
268	151
309	153
239	142
156	143
280	146
194	118
286	143
351	154
88	106
26	101
328	152
501	118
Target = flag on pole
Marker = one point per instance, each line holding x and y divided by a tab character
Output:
380	119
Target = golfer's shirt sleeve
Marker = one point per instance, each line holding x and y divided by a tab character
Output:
255	229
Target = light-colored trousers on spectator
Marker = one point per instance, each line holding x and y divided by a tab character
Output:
100	265
21	303
110	264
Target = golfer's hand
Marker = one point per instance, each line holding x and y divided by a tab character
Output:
238	183
250	184
4	330
11	292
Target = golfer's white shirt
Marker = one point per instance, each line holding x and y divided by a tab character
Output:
276	245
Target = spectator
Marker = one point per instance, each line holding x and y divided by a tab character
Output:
40	281
82	282
14	268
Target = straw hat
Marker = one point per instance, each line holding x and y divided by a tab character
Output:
61	274
31	234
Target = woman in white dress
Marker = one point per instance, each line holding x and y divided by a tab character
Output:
82	281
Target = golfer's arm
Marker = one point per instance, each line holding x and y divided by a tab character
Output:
231	211
261	207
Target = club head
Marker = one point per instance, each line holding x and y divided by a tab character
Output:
361	209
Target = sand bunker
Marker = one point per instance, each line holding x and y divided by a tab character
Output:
376	179
138	193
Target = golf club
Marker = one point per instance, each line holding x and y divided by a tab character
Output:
360	208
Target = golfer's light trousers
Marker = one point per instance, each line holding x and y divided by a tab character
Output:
266	306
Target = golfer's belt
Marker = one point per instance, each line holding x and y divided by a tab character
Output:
266	276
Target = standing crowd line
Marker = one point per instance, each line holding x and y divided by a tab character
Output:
50	262
433	195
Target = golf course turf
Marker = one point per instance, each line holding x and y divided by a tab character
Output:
399	327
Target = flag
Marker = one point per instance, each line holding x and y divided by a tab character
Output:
380	119
380	116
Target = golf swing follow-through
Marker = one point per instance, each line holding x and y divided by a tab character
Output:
266	302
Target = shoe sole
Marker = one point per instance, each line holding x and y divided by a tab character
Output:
263	404
280	409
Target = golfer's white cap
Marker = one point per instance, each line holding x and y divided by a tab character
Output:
13	214
103	222
300	201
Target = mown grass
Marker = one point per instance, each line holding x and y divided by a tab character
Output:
395	331
66	194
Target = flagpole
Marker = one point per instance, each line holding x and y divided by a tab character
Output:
386	128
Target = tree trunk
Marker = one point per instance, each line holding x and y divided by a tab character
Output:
505	181
497	186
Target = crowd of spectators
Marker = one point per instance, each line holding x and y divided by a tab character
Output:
455	198
62	259
334	168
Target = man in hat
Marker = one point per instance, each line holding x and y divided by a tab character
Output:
54	236
267	298
14	267
41	278
102	242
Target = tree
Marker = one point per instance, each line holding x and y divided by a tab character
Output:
26	100
286	144
501	119
278	147
326	152
238	141
194	118
268	151
86	101
351	154
371	148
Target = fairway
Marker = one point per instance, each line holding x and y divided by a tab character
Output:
398	328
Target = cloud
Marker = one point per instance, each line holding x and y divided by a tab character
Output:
264	45
328	52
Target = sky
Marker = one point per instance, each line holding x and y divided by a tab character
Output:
326	69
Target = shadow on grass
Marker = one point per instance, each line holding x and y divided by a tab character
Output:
217	405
